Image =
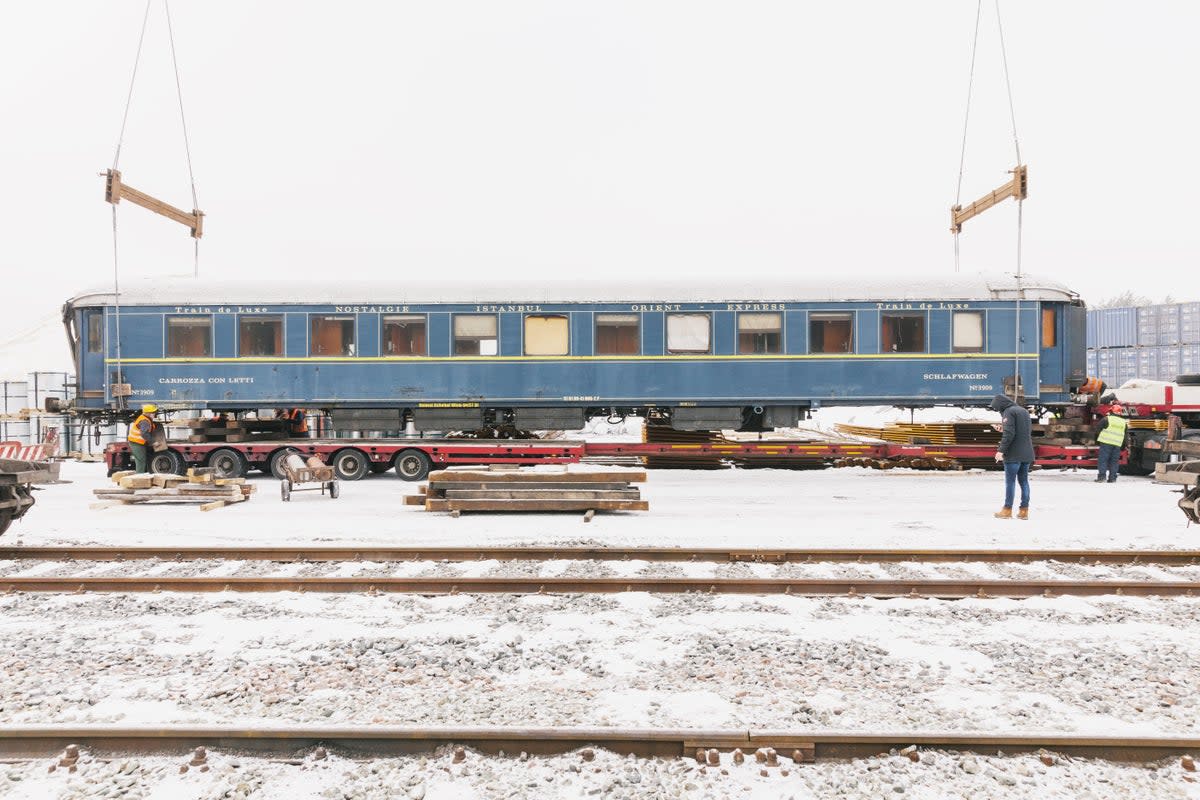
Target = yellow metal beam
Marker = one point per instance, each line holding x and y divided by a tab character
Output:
114	190
1017	188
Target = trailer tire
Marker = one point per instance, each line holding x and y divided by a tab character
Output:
166	462
413	465
351	464
1188	380
275	465
228	463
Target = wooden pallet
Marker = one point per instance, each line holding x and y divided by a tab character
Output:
507	489
199	486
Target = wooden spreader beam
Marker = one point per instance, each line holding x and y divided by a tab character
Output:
1017	188
114	190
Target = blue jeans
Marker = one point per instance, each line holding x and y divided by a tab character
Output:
1109	462
1015	471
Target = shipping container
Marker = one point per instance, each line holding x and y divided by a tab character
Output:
14	431
1169	363
1147	326
1189	359
1147	363
1168	324
1189	323
1112	327
14	396
1092	363
1127	358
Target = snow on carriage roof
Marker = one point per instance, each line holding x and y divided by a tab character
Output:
190	291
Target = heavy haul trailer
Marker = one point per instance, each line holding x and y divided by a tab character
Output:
694	356
1159	413
412	459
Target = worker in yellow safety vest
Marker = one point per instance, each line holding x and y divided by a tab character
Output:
1111	438
141	432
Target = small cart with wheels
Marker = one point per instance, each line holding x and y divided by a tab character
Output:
297	471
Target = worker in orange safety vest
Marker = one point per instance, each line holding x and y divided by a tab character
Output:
297	421
141	432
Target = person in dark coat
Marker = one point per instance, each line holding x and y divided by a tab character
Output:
1016	451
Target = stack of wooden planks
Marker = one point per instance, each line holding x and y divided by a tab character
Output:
943	433
511	489
234	430
200	486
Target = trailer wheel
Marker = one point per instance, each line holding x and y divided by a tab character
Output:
412	465
166	462
275	465
350	464
334	490
1188	380
228	463
285	491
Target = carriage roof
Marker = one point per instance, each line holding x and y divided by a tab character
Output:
204	292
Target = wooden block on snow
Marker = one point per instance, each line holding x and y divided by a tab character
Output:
213	505
229	481
136	482
116	476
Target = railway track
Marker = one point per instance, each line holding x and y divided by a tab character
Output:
18	741
950	589
516	553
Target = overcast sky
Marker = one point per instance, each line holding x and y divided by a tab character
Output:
613	140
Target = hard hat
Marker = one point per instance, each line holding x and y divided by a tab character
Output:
149	408
1117	408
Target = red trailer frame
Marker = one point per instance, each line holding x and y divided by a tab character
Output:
412	458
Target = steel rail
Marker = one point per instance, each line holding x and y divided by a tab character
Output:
801	587
543	553
33	741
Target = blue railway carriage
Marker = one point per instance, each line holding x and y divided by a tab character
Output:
701	356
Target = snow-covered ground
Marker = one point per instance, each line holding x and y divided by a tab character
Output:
1106	665
752	508
937	776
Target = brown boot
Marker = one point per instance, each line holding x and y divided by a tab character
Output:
1022	513
1004	513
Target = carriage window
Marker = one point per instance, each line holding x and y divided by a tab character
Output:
760	333
1049	328
546	335
404	335
617	335
830	333
260	336
475	335
95	332
902	333
688	333
331	336
968	332
190	337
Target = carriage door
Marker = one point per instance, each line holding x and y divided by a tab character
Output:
91	354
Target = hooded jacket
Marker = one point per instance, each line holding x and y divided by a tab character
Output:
1016	443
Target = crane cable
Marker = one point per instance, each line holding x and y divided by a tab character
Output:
1017	147
187	149
117	160
966	119
1020	205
